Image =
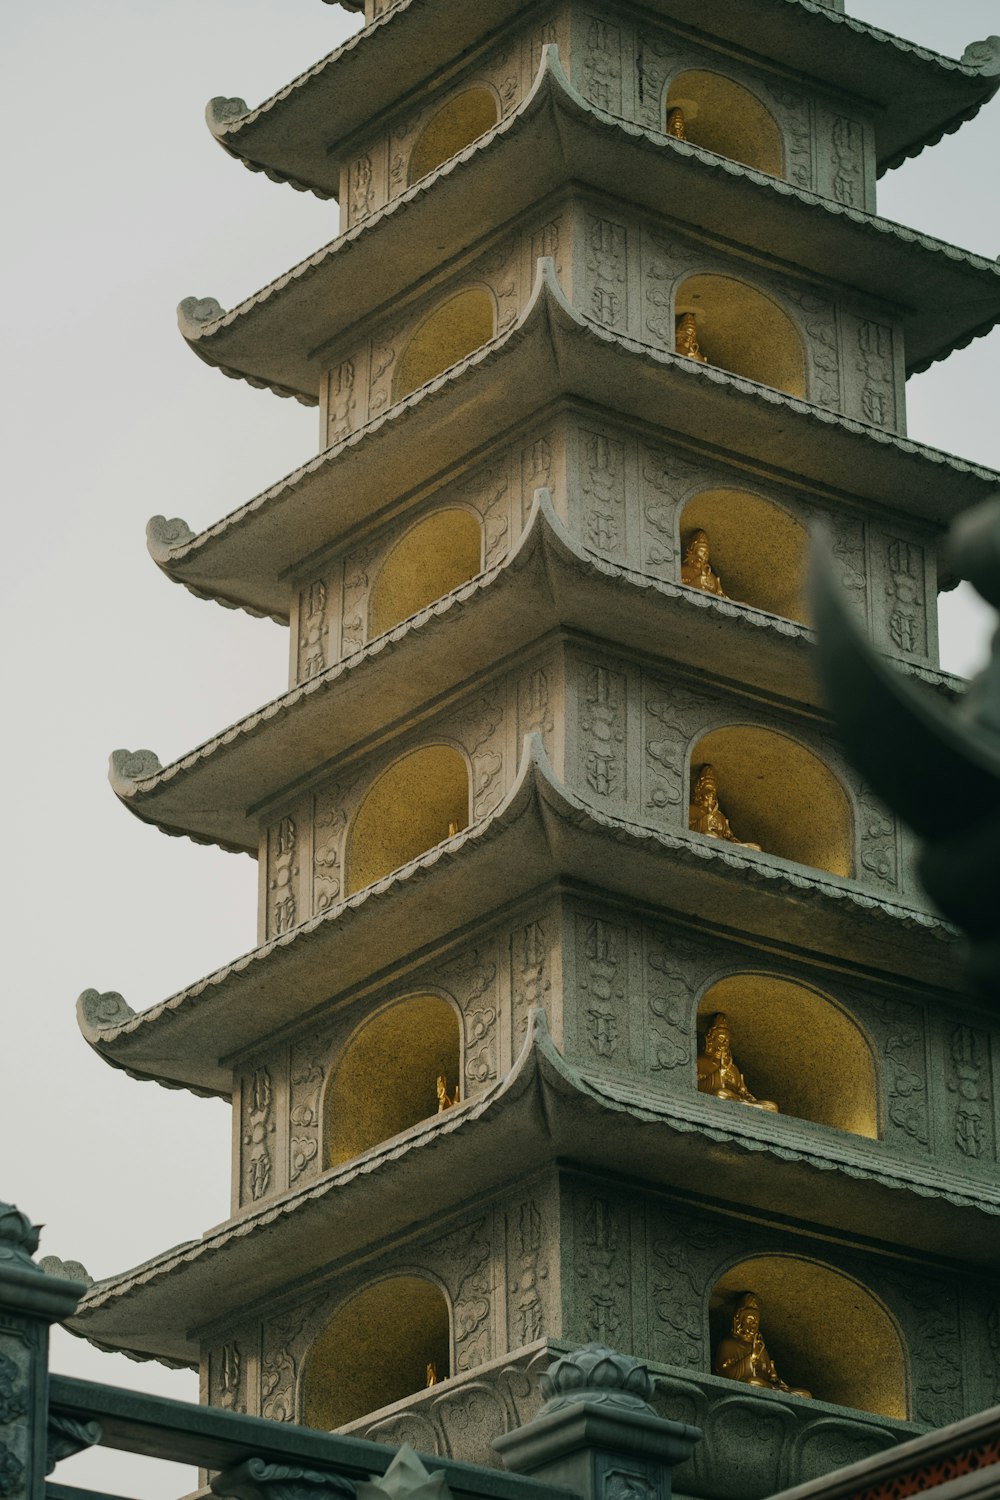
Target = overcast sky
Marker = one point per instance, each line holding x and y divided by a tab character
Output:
118	205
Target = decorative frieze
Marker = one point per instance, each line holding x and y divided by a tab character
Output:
905	590
285	1341
330	826
307	1076
282	878
465	1260
672	713
603	732
607	271
968	1082
602	483
671	970
904	1069
602	1262
875	363
602	975
527	1273
683	1259
258	1134
342	402
602	65
847	151
530	977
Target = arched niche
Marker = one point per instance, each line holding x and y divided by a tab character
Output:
432	558
420	800
724	117
455	329
825	1332
385	1079
778	794
456	125
375	1350
757	549
743	331
799	1048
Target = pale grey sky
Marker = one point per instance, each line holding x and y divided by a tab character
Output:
118	205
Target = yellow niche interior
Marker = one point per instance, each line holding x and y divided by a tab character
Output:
385	1079
432	558
743	331
723	116
778	794
799	1048
824	1331
409	808
758	550
455	329
456	125
375	1350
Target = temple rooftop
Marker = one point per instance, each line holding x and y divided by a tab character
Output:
303	134
544	1110
554	136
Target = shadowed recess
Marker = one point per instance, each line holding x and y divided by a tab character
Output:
422	799
757	549
799	1048
375	1350
453	331
385	1079
745	332
824	1331
724	117
456	125
779	795
432	558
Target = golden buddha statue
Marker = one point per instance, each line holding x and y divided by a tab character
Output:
696	569
432	1374
676	124
686	338
743	1355
706	816
444	1099
718	1073
452	827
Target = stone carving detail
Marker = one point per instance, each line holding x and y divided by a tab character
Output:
848	142
502	271
401	143
229	1393
257	1134
904	1068
603	66
342	403
682	1264
602	481
329	826
362	189
602	721
534	705
797	135
283	1342
877	838
537	470
467	1256
673	709
527	1311
13	1398
672	964
312	630
607	266
306	1078
283	874
357	582
849	550
935	1347
384	352
11	1471
875	365
472	979
530	982
819	322
906	595
484	740
968	1081
654	56
545	243
603	968
670	477
489	494
603	1271
666	261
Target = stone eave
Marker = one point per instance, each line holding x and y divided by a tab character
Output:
544	1111
541	834
303	133
553	352
547	583
555	137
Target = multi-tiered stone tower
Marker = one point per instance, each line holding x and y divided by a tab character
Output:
471	807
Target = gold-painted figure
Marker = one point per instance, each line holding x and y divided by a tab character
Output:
706	816
718	1073
452	827
696	569
742	1354
676	124
686	339
444	1099
432	1374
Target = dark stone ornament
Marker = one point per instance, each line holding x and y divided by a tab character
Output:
599	1376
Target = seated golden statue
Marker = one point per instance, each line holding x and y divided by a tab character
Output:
706	816
686	339
743	1355
718	1073
676	124
444	1099
432	1374
696	569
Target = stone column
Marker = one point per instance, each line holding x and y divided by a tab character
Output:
597	1433
30	1300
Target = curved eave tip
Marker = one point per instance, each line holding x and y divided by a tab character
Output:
97	1013
221	114
984	57
195	313
126	768
163	537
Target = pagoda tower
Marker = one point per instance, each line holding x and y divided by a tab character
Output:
611	323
